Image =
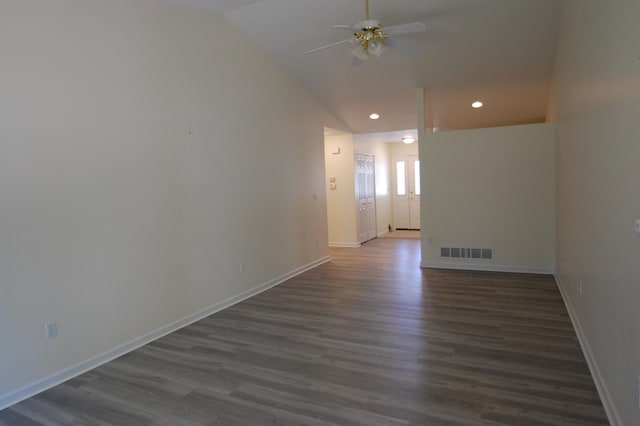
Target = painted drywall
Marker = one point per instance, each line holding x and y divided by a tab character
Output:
339	157
490	188
380	151
596	105
145	151
403	149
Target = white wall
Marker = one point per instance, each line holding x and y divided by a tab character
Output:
490	188
403	149
145	150
341	202
381	153
597	110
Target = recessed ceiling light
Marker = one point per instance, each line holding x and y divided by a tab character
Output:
408	140
477	104
374	116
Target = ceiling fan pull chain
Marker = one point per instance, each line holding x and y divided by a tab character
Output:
366	9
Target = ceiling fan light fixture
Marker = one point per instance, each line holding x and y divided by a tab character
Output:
408	140
368	49
369	41
374	116
360	52
477	104
375	48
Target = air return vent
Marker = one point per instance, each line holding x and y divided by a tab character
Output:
466	253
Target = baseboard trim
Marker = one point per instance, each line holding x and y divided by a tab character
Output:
603	391
353	245
488	268
54	379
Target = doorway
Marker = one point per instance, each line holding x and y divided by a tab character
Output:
406	192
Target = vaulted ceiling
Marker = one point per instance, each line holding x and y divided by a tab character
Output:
498	51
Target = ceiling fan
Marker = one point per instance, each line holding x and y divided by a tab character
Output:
370	39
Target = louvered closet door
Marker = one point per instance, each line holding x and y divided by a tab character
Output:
366	197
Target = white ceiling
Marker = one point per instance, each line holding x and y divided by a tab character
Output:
498	51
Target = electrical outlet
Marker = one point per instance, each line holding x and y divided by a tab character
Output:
50	329
638	227
580	288
243	267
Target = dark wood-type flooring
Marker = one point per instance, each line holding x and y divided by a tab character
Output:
367	339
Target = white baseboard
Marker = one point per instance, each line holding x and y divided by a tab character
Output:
474	266
11	398
603	391
353	245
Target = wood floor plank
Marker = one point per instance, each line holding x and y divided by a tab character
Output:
366	339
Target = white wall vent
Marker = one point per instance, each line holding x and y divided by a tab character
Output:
466	253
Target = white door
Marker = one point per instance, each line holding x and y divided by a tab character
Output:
365	197
406	192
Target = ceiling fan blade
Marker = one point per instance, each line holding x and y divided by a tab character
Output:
413	27
403	46
344	27
337	43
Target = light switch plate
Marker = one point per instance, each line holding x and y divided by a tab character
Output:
50	329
